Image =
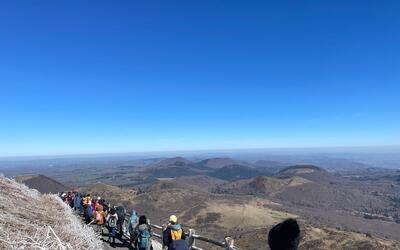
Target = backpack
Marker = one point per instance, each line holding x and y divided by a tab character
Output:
112	221
99	216
178	245
144	240
176	234
177	242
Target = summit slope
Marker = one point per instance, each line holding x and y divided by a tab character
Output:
30	220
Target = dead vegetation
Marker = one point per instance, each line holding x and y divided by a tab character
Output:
329	238
30	220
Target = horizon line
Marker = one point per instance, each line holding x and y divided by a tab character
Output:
138	153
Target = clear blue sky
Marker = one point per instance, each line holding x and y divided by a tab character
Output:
125	76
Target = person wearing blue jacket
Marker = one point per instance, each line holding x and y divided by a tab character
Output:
132	223
77	202
88	214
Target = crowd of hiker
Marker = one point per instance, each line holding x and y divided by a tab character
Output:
283	236
97	211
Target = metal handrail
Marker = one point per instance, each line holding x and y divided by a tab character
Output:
228	242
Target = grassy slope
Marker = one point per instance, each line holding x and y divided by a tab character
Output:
30	220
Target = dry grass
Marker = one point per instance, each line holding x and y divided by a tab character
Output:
245	216
115	195
329	238
314	238
30	220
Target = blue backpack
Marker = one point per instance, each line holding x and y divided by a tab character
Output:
144	239
179	245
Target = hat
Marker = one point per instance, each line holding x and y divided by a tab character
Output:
173	219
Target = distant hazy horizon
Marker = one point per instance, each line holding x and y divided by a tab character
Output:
173	153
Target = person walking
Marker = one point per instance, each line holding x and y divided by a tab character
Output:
130	228
112	219
174	237
121	212
88	214
100	217
143	234
87	202
77	202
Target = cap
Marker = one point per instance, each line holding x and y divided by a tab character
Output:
173	219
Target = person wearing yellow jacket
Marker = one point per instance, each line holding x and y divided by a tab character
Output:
174	237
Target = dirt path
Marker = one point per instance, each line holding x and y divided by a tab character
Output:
121	242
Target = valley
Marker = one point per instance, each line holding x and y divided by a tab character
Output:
358	209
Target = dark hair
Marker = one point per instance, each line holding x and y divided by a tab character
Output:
142	220
112	211
284	236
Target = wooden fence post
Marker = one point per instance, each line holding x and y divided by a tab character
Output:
229	243
191	238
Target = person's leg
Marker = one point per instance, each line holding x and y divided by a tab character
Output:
136	240
132	238
120	224
113	232
109	234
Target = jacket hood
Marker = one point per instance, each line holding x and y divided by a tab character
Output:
133	216
143	227
175	227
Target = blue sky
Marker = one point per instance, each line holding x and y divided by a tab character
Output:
125	76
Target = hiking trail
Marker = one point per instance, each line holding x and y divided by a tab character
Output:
120	242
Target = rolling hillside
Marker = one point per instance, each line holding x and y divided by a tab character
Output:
215	163
260	185
246	218
42	183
